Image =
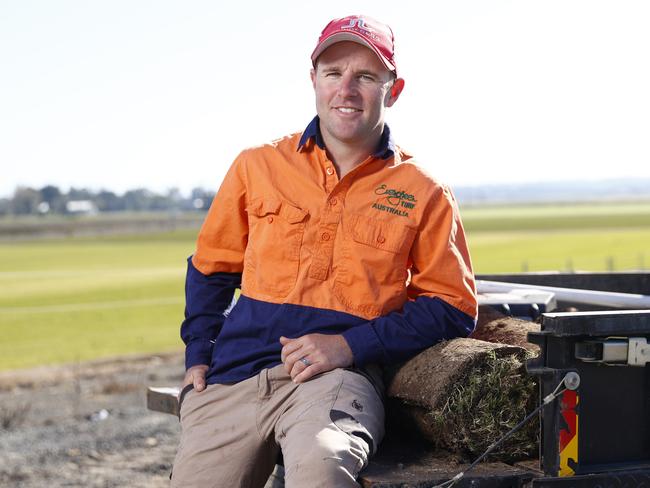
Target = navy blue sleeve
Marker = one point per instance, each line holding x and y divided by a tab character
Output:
206	300
400	335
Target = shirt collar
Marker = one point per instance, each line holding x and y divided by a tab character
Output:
385	149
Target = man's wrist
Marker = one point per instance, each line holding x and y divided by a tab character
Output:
364	345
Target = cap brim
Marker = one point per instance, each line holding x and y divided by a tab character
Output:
349	36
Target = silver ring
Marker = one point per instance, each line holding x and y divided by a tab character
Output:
305	361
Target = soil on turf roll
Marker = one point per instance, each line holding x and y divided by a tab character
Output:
493	326
463	395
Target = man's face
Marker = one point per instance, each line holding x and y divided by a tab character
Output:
352	89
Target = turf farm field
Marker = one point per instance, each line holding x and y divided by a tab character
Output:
584	237
74	299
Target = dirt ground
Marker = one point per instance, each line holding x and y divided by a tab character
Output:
87	425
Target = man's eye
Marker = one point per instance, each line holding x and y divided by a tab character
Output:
332	74
367	78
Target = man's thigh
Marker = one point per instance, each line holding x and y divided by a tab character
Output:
333	426
221	444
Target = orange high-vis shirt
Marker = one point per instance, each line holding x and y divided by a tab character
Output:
379	256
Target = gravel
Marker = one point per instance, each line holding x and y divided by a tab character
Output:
87	425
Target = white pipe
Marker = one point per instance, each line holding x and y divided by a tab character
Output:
575	295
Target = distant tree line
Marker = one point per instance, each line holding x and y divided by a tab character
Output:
51	200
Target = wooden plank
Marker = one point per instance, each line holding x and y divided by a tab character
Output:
163	399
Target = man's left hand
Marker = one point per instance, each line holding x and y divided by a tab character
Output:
312	354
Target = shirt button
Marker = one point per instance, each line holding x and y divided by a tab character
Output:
333	201
325	236
270	219
330	171
381	239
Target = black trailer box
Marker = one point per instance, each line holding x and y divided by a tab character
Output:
598	434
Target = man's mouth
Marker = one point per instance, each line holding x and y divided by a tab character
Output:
348	110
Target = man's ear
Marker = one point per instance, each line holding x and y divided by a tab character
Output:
395	91
312	74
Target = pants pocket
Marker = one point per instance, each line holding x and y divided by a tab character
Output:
359	411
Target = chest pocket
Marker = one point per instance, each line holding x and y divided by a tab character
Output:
371	280
272	256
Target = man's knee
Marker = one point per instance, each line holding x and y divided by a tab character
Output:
333	458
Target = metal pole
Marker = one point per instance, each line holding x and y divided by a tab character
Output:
587	297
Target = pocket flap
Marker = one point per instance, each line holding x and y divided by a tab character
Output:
292	214
274	206
392	237
262	207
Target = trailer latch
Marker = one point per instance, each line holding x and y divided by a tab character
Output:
638	353
632	351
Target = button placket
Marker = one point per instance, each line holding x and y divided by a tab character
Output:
331	178
324	248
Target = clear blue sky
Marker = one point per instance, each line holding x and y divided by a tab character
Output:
121	94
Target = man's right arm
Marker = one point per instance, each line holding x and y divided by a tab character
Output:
214	272
206	299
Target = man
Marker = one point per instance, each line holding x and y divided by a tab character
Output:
348	255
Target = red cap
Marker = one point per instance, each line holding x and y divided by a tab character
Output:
363	30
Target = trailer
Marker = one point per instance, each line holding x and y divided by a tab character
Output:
594	393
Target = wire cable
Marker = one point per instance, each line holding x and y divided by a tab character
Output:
547	399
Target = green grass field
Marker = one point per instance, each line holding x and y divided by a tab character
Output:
78	299
68	300
587	237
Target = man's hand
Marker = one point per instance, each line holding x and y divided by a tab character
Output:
196	376
321	352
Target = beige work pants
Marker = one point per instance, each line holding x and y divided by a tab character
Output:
326	428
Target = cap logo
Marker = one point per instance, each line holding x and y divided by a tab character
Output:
359	24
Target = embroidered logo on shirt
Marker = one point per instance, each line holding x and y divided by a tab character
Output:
399	202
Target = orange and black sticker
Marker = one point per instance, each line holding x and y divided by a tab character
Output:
569	433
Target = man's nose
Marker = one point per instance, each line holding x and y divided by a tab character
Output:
348	86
